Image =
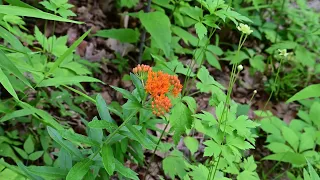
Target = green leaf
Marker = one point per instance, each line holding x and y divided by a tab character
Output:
315	113
28	12
137	83
308	92
126	94
79	170
57	81
103	109
291	137
101	124
174	165
305	57
142	139
215	50
124	171
212	60
289	157
180	120
58	61
36	155
199	172
194	12
206	80
201	30
28	145
249	164
207	117
64	144
186	36
123	35
29	174
277	147
78	138
191	102
306	141
313	174
6	63
48	172
15	114
212	149
243	126
7	85
257	63
191	143
10	38
21	152
108	158
161	33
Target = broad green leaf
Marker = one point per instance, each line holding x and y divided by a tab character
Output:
191	102
7	85
207	80
174	165
308	92
6	63
180	120
126	94
15	114
28	12
124	171
103	109
79	170
19	3
305	57
282	45
257	63
6	151
199	172
291	137
191	143
36	155
158	25
306	142
212	60
207	117
186	36
215	50
201	30
123	35
48	172
249	164
212	148
143	139
315	113
58	61
108	158
289	157
21	152
277	147
57	81
101	124
65	144
28	145
78	138
194	12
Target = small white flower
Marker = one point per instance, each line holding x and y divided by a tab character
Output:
244	29
255	92
283	52
240	67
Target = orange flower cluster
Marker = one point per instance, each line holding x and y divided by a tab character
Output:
159	85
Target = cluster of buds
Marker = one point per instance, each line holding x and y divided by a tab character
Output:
245	29
142	71
159	85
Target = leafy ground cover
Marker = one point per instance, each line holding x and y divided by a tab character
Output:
159	89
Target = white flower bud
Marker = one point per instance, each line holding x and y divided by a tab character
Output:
255	92
240	67
283	52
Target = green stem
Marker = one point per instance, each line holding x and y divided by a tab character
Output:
158	143
80	93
